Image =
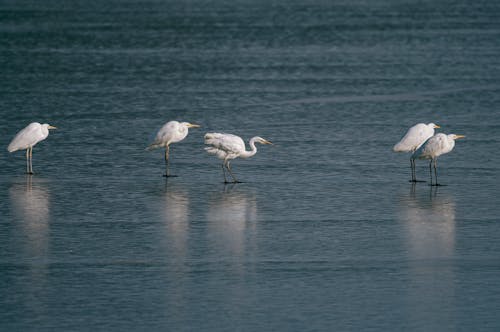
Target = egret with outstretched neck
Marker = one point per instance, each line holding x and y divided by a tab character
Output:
228	147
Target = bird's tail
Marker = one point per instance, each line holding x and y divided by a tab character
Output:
221	154
399	148
211	150
152	147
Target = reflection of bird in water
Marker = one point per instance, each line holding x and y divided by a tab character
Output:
30	202
231	214
175	213
429	218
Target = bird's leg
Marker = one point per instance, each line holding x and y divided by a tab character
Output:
167	152
31	161
28	161
231	173
412	166
435	172
430	170
224	171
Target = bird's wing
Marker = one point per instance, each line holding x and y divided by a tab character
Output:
434	146
164	135
414	138
229	143
27	137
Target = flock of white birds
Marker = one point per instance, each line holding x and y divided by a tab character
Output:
225	146
420	140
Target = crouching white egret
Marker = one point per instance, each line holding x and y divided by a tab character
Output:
434	147
228	147
171	132
27	138
412	140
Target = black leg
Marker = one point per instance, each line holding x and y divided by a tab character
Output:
31	161
412	166
430	170
28	161
435	171
167	162
231	173
224	171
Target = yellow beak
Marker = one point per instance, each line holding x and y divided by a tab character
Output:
459	136
192	125
51	127
436	126
267	142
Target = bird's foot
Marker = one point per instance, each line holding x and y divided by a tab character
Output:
30	173
169	176
437	185
415	181
231	182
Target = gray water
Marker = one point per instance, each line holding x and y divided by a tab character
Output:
325	233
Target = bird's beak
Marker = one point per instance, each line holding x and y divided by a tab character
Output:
192	125
267	142
52	127
436	126
459	136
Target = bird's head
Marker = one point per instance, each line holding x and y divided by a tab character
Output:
190	125
453	136
433	125
262	141
49	126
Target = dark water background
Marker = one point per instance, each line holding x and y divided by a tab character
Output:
325	233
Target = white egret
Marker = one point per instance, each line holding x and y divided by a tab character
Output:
171	132
434	147
228	147
412	140
27	138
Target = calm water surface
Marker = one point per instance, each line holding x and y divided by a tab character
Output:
324	234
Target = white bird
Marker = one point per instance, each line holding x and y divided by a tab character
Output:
434	147
228	147
171	132
27	138
412	140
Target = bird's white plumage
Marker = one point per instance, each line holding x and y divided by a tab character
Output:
437	145
171	132
224	145
29	136
228	147
415	137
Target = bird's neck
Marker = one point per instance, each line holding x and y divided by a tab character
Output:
253	150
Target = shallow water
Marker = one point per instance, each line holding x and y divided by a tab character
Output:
324	233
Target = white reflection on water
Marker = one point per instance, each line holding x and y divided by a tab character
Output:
231	214
175	213
31	204
428	217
